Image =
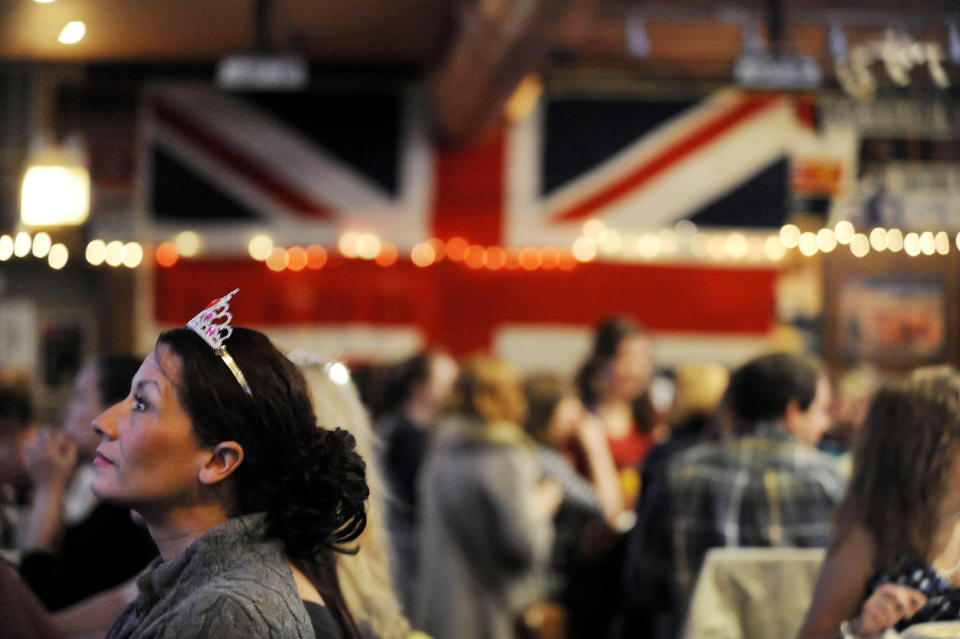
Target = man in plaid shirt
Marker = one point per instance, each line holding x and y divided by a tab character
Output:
765	484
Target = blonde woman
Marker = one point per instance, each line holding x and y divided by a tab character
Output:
364	577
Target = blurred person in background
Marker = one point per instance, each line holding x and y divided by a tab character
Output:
614	385
896	542
16	430
854	389
485	525
765	484
584	525
365	577
698	392
68	530
414	391
699	388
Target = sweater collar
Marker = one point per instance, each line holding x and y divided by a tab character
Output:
208	554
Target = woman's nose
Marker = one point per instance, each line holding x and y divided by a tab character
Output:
104	425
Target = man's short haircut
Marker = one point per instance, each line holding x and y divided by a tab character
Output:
761	389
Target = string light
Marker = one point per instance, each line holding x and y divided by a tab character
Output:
114	253
496	258
648	245
895	240
859	245
474	256
736	245
927	243
911	244
942	242
6	247
878	239
58	256
672	244
668	241
512	261
699	245
456	248
187	243
610	242
132	254
316	257
96	252
166	254
685	230
423	255
584	249
296	258
259	247
807	244
827	240
388	255
22	244
439	248
530	259
844	232
774	249
717	247
368	246
41	245
790	235
349	244
277	260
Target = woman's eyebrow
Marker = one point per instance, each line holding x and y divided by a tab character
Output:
142	383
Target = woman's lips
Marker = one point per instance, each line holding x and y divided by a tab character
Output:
100	460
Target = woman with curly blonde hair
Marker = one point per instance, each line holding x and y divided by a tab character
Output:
364	577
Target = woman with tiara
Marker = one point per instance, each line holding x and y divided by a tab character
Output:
217	449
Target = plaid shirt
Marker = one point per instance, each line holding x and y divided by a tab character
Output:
763	488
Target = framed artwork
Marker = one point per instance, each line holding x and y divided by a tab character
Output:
892	310
892	319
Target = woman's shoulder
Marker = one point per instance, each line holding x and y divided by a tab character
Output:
217	611
255	584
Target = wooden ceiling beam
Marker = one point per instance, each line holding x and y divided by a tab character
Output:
498	43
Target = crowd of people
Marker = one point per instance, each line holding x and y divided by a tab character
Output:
222	488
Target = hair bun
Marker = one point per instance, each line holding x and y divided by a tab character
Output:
323	495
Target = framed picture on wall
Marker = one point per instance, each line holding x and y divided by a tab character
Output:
892	310
892	319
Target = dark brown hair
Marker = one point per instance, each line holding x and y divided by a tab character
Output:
902	461
607	337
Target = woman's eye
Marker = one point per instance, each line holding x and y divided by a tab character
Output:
139	405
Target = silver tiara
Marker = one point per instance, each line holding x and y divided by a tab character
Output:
213	325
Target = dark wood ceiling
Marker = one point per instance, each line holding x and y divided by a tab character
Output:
472	52
685	35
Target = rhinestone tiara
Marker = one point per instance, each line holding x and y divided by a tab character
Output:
212	324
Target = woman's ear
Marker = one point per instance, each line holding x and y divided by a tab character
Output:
225	458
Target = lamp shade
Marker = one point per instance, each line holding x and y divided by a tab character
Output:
55	194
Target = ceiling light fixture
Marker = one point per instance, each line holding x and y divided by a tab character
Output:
56	186
73	32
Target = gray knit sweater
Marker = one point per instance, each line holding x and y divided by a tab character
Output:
230	583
